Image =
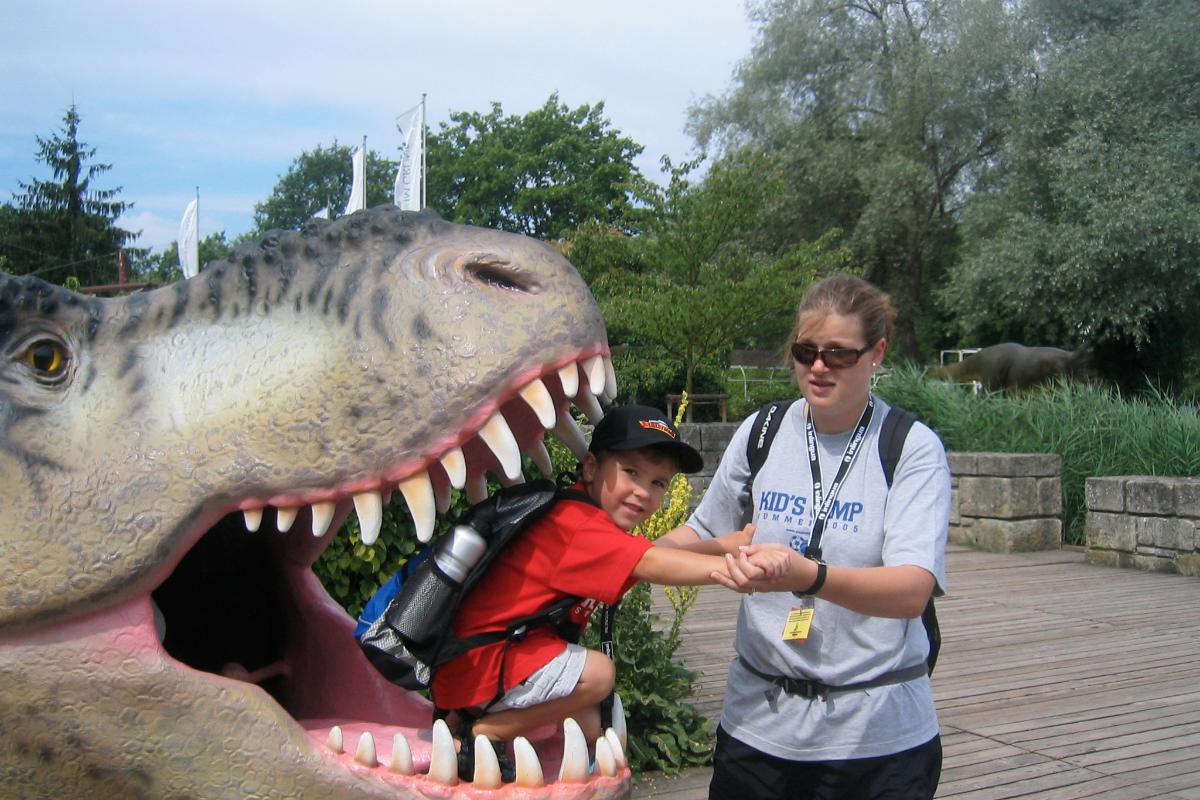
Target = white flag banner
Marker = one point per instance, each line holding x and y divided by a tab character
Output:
189	240
358	188
322	214
408	177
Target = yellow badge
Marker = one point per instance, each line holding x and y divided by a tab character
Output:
799	620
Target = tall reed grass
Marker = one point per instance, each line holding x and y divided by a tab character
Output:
1094	429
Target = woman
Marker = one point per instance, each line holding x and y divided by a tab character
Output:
855	716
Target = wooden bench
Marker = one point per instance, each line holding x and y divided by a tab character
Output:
720	399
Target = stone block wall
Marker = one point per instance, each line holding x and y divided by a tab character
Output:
1006	502
1144	522
711	439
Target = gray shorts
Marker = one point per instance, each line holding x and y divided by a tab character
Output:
558	678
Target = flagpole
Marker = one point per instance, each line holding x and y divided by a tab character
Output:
424	127
364	182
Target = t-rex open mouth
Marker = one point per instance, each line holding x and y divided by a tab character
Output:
243	602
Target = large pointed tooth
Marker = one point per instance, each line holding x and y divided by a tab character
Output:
322	515
499	437
541	457
369	506
610	380
253	518
401	761
588	404
575	754
418	493
606	762
443	761
507	481
284	517
455	465
594	369
487	767
568	376
570	435
538	397
618	721
365	754
618	751
334	740
441	497
529	767
477	488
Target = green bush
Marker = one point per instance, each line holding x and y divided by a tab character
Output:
1095	430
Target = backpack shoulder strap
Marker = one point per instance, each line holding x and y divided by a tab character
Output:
766	425
896	426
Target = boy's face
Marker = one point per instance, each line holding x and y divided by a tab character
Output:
628	484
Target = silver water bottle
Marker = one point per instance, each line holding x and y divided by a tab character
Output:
459	551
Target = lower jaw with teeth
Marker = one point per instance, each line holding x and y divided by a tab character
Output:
390	755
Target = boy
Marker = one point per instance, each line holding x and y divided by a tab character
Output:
578	549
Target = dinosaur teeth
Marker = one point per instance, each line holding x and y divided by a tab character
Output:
614	742
575	754
541	457
594	369
441	497
538	397
253	518
610	380
529	767
401	761
369	506
365	754
570	435
443	760
455	465
499	437
618	718
588	404
418	493
606	762
322	515
568	376
284	517
487	766
477	488
334	740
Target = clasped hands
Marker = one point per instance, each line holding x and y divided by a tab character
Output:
755	567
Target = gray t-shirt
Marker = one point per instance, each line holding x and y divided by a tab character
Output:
870	526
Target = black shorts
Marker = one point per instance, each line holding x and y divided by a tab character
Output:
740	772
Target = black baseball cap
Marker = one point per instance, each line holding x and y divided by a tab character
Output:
635	427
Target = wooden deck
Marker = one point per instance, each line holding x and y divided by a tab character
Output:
1057	680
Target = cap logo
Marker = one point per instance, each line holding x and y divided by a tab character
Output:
658	425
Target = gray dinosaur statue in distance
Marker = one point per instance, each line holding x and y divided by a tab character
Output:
201	445
1011	366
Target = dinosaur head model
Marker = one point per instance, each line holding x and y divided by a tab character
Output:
153	647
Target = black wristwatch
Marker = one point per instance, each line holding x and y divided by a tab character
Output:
816	584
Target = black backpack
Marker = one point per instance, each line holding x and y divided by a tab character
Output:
896	426
413	635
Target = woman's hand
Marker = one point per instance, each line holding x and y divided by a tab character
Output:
755	567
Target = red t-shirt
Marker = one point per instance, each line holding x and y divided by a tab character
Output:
575	549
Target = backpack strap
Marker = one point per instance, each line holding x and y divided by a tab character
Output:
892	434
762	433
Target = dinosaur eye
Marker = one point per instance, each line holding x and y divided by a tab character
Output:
47	357
501	277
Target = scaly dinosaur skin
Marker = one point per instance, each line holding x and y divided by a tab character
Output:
313	372
1015	367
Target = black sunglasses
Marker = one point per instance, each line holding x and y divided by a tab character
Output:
833	358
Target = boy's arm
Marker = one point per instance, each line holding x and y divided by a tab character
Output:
673	566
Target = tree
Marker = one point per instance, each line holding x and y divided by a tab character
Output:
689	284
1088	226
163	268
321	179
65	227
882	111
543	174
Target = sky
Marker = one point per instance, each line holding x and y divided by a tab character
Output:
223	95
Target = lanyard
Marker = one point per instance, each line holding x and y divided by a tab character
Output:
824	502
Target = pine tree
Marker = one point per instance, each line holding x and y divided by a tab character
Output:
65	227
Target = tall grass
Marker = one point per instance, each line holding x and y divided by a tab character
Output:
1095	430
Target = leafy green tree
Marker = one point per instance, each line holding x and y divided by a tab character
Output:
65	227
163	268
321	179
691	283
542	174
1088	227
882	112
